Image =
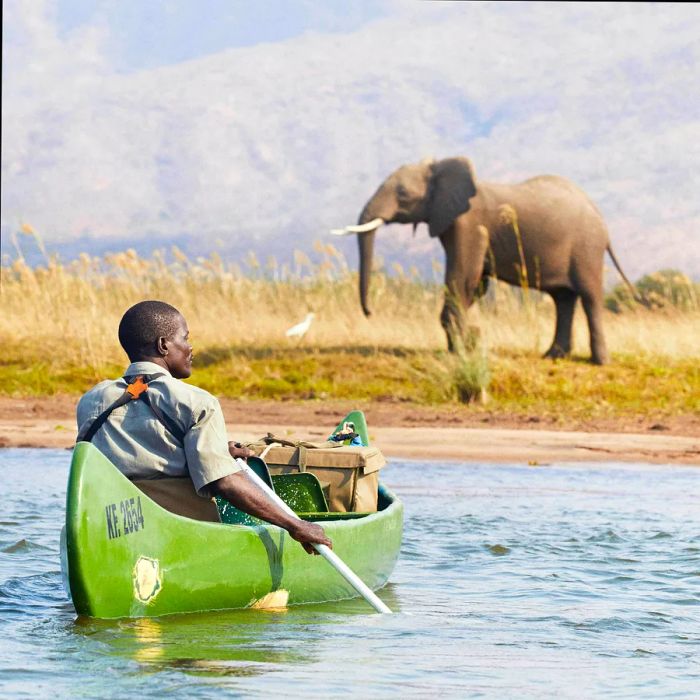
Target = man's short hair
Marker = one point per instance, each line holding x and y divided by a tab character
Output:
143	324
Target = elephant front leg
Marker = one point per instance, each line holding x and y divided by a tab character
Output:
464	255
565	303
483	287
452	320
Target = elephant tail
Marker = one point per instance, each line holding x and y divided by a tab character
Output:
635	295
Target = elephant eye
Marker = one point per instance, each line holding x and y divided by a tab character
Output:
401	192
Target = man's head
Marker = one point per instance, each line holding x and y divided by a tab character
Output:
154	331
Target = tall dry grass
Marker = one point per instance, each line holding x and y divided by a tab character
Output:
72	310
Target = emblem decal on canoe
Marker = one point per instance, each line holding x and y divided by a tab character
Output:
146	579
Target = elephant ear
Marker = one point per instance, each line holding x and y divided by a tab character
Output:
452	185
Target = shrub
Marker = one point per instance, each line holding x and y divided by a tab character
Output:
470	370
658	290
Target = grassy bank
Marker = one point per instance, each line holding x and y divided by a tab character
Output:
520	383
58	333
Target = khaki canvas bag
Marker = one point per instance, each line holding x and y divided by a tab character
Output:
349	475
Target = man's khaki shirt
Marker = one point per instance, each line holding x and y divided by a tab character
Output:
138	443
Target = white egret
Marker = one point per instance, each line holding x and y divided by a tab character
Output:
299	331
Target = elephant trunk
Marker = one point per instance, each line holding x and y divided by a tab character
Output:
366	244
372	217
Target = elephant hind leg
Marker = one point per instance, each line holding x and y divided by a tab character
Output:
593	306
565	304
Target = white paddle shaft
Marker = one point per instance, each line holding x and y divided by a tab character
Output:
328	554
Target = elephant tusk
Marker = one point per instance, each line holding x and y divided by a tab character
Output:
359	228
365	228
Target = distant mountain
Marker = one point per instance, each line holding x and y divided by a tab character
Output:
266	148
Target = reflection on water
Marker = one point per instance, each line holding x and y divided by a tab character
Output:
220	643
148	640
226	642
515	582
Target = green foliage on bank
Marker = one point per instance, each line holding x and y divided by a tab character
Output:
518	383
665	289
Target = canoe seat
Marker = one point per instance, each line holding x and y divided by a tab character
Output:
178	496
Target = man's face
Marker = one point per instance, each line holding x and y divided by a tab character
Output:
179	351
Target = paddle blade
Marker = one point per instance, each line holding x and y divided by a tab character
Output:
274	600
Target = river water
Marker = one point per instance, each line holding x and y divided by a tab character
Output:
558	581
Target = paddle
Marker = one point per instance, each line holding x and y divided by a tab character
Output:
328	554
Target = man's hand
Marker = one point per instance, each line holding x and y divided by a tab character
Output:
239	490
309	533
238	451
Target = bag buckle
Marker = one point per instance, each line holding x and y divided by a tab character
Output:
136	388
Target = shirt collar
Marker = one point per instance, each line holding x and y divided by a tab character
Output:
145	368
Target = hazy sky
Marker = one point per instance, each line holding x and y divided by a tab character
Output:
260	125
142	34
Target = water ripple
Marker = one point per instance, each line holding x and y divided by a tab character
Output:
512	582
22	546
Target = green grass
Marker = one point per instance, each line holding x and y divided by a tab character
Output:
629	386
520	383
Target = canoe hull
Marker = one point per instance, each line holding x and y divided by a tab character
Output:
128	557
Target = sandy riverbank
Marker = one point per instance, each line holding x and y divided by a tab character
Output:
408	431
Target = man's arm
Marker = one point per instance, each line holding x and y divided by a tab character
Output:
241	492
213	472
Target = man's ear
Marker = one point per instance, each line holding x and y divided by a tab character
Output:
162	346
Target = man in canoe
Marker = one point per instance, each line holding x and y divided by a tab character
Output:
172	443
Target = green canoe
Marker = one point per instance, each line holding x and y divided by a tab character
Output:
125	556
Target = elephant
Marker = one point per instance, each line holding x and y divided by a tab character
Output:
543	233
